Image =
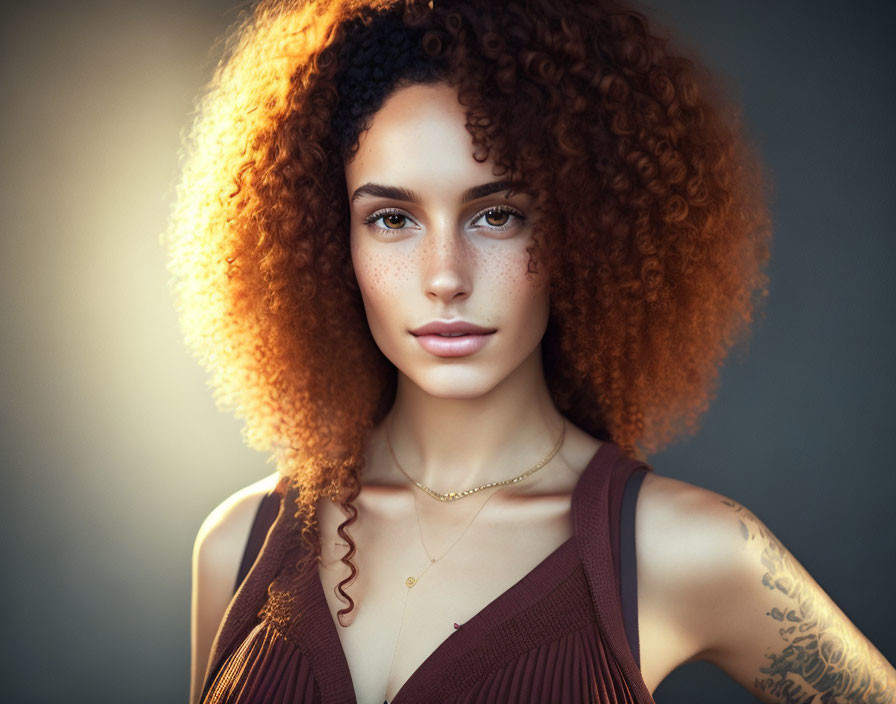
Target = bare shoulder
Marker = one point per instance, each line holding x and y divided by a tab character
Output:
690	544
682	525
690	561
714	583
227	526
217	553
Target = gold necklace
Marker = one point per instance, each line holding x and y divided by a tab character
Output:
456	495
411	581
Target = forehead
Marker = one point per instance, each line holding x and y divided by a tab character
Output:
418	139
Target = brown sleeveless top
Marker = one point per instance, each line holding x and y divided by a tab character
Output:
566	632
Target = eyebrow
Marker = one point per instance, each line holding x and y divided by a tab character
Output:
377	190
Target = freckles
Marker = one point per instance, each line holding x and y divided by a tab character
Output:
509	270
375	277
368	272
380	274
395	267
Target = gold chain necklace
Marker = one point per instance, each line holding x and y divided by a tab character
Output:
411	581
456	495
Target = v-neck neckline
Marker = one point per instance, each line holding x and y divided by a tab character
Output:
532	586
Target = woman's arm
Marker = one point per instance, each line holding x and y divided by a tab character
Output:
715	584
217	554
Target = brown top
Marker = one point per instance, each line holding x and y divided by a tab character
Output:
558	635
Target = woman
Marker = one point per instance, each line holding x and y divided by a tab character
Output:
466	519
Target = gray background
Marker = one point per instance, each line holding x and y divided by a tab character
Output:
113	452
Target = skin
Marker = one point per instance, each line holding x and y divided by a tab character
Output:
713	582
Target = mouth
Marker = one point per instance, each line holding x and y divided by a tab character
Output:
453	344
451	328
455	334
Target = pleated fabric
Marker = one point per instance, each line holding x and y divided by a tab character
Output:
556	637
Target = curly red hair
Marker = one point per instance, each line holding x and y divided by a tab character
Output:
655	247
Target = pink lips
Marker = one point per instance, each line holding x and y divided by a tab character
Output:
472	338
452	346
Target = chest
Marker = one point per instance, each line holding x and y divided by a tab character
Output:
393	629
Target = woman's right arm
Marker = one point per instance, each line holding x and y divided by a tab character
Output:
217	554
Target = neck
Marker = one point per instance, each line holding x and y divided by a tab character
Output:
453	444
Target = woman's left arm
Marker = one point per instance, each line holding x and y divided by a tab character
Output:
725	590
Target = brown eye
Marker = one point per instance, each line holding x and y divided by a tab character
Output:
394	221
497	218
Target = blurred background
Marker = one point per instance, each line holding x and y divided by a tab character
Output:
113	451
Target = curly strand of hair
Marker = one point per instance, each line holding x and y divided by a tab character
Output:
346	559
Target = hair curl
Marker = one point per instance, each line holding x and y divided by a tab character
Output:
656	245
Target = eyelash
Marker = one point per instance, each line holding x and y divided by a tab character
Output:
373	217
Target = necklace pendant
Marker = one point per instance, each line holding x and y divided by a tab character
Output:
410	582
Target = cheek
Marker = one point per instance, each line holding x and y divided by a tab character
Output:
507	276
368	273
380	277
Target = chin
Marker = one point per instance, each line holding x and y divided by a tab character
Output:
458	383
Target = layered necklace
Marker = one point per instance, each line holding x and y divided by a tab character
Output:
412	580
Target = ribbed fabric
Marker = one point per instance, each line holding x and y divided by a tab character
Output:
556	636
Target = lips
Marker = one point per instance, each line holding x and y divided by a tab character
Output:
450	328
452	338
447	346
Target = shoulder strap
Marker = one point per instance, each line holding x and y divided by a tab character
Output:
628	567
597	512
264	517
242	611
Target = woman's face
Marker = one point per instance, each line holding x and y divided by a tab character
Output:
435	238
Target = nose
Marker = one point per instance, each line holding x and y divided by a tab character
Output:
447	265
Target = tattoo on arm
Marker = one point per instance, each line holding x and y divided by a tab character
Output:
820	660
